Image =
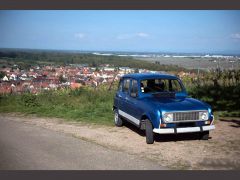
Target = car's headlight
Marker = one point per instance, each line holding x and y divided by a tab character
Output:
168	117
203	115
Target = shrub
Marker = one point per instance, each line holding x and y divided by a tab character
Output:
29	100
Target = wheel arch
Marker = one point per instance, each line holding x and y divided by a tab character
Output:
143	122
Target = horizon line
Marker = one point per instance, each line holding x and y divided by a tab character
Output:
128	51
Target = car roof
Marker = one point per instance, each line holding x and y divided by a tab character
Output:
140	76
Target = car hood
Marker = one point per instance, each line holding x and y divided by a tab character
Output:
177	104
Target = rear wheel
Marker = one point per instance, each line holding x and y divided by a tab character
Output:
149	132
117	120
204	135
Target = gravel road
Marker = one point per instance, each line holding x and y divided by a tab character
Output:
31	142
28	147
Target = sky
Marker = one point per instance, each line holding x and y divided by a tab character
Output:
186	31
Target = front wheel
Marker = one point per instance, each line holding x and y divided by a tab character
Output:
117	120
149	132
204	135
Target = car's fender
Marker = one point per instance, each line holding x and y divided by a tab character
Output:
153	115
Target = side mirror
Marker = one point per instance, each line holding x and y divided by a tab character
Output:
133	94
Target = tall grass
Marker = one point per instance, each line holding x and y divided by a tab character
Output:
85	104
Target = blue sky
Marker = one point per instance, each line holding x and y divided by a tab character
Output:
157	31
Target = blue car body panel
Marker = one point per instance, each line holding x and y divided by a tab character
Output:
152	107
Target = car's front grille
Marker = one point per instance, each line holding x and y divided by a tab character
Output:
186	116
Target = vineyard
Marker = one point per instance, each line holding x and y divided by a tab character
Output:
219	88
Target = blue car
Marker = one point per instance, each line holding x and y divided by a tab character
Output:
158	103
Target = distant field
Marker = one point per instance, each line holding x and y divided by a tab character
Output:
194	63
27	58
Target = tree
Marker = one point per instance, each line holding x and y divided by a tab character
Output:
97	69
136	70
2	74
61	79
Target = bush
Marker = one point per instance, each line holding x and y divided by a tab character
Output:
29	100
221	98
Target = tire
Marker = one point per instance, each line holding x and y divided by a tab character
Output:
149	132
204	135
117	120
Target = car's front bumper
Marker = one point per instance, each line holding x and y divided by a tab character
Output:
183	130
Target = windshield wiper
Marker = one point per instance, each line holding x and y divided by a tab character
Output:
164	94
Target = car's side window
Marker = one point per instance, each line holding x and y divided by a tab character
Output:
134	87
126	85
120	85
176	86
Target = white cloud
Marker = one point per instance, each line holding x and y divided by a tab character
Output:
79	35
235	36
141	34
134	35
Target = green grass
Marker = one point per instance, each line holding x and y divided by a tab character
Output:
85	104
95	105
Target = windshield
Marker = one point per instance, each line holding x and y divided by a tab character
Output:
160	85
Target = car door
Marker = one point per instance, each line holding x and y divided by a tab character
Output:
132	108
122	95
118	95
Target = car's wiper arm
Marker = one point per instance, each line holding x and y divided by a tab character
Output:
164	94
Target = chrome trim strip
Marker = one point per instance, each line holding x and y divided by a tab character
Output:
207	128
190	129
128	116
183	130
185	121
164	131
212	120
186	111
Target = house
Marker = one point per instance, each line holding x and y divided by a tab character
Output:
75	85
13	77
109	69
5	78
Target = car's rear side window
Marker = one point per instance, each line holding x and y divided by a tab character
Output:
134	88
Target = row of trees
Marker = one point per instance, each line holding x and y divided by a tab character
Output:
215	77
63	58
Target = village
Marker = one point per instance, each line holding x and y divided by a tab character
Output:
53	77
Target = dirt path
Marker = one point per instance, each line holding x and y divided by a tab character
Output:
185	151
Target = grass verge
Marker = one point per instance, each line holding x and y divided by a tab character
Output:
85	104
